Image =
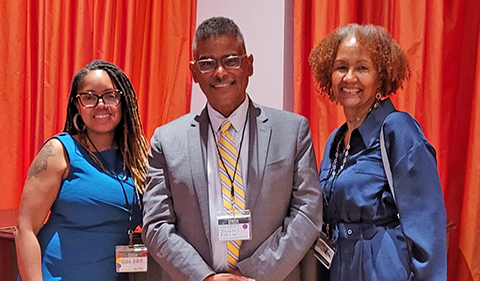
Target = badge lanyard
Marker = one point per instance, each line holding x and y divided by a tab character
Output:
131	257
115	176
324	247
233	225
334	172
232	180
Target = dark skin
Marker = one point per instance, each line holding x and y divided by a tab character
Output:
50	167
40	164
41	187
225	91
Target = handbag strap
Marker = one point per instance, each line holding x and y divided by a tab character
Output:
386	162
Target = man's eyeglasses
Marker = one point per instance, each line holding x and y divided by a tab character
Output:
208	65
90	99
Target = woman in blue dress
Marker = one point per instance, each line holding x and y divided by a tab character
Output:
378	235
88	181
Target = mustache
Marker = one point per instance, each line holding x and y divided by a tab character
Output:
218	81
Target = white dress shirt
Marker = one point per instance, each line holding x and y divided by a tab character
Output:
238	119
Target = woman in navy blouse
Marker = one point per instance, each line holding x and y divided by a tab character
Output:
377	236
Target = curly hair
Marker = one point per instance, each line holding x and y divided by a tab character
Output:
389	59
129	135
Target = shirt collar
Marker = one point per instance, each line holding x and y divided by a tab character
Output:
237	118
365	135
370	128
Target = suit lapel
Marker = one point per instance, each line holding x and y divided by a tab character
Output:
197	155
259	141
260	133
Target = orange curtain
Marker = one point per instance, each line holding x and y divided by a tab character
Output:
441	40
43	43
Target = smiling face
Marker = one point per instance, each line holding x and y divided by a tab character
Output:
354	77
225	89
100	119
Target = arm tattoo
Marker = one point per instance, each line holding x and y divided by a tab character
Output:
41	161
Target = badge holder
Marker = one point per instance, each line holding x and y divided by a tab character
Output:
324	250
131	258
234	225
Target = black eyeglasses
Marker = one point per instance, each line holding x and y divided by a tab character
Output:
90	99
230	62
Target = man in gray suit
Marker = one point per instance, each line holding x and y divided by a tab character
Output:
249	212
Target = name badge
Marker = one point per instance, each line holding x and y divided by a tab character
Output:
324	250
131	258
234	226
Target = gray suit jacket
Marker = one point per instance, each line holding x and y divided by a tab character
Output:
283	195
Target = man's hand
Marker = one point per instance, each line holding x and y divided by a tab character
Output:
228	277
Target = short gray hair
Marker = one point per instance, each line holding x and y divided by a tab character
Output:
217	26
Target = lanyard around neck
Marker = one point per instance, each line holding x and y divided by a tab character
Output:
115	176
232	180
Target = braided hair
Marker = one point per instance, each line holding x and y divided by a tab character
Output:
129	135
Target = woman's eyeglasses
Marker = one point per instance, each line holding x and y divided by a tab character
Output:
90	99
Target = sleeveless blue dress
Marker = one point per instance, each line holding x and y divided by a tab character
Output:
89	217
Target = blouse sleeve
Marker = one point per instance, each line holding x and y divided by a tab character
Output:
418	194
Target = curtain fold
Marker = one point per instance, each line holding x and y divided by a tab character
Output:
441	41
469	224
44	43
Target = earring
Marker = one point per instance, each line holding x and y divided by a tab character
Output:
378	96
77	127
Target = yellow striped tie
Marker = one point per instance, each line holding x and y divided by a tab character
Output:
230	171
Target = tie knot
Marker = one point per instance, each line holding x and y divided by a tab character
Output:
225	125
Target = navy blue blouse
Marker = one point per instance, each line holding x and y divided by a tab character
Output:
372	243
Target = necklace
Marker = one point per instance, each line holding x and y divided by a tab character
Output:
337	156
374	106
